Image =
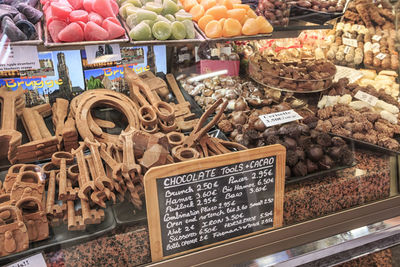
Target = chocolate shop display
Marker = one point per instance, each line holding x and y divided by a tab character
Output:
69	164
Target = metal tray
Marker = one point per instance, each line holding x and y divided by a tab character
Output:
287	90
49	42
38	41
313	16
198	39
59	236
320	174
231	39
359	143
126	214
194	107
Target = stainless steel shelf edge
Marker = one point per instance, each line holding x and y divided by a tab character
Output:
291	236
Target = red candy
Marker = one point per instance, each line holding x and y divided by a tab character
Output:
103	8
114	30
78	15
55	27
60	11
94	32
72	33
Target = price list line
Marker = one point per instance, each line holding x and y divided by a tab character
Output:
218	177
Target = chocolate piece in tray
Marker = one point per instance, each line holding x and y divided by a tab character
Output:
308	150
376	124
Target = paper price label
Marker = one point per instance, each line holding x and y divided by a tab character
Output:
350	42
380	56
350	73
36	260
358	27
183	57
367	98
347	35
226	50
215	52
376	38
346	50
24	57
376	47
280	117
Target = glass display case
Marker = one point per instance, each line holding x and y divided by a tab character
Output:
185	132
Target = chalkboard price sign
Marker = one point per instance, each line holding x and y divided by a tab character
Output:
200	203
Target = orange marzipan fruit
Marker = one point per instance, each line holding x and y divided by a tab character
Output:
213	29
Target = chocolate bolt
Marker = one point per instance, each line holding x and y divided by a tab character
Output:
10	138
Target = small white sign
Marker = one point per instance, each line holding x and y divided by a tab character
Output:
36	260
280	117
226	50
215	52
183	57
370	99
347	35
347	50
350	73
19	57
350	42
376	38
102	53
380	56
376	47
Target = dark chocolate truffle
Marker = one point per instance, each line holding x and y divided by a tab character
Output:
300	169
324	139
311	166
326	162
337	141
291	158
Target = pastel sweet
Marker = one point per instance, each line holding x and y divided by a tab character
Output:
114	30
54	28
103	8
178	30
27	28
11	30
87	5
60	11
76	4
161	30
71	33
78	15
96	18
141	32
94	32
